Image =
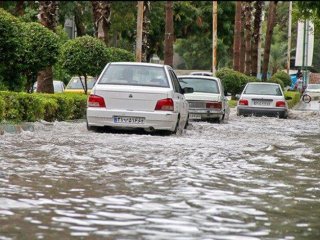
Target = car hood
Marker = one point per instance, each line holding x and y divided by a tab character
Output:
199	96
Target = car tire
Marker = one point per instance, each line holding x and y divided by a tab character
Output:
177	129
92	128
187	123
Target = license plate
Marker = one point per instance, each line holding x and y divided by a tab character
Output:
194	116
262	103
129	120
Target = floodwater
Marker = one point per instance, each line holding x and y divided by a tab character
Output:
251	178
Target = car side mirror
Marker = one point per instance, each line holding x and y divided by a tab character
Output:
187	90
238	96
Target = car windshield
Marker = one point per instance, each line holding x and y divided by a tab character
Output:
58	86
135	75
263	89
76	84
313	86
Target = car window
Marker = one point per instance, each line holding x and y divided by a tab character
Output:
313	86
200	85
263	89
76	84
58	87
135	75
175	81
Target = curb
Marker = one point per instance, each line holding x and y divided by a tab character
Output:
16	128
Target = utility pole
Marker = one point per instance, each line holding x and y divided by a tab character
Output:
139	32
289	37
169	34
214	35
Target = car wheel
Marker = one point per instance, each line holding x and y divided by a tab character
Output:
91	128
187	123
177	129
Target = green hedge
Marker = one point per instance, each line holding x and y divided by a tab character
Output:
233	81
292	97
283	77
19	107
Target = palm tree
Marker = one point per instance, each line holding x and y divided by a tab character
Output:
168	42
237	37
270	26
102	15
248	16
258	5
48	18
145	30
243	46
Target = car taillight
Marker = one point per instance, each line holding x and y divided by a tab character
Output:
243	102
165	105
96	101
280	104
217	105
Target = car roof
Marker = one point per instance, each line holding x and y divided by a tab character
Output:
199	76
139	64
263	83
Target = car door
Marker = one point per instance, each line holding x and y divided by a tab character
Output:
179	98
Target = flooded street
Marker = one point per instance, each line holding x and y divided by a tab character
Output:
250	178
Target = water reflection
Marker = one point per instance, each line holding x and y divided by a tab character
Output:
252	178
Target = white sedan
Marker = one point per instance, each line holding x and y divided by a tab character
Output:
208	101
262	99
138	95
313	90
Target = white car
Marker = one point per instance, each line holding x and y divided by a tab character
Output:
207	102
313	90
262	99
202	74
58	86
138	95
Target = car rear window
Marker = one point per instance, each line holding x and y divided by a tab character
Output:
200	85
263	89
135	75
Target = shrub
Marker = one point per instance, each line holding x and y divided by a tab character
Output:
119	55
83	56
233	81
277	80
284	77
19	107
293	97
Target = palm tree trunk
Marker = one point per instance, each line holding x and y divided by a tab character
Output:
248	9
243	46
78	19
256	36
48	18
237	38
19	10
168	42
145	30
102	16
267	47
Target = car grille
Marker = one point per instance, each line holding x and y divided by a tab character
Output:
196	104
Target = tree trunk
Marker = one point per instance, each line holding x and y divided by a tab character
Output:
78	19
169	34
102	16
145	30
237	38
267	46
48	18
256	36
248	9
19	10
243	46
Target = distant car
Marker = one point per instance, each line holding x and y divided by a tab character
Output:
138	95
313	90
75	85
262	99
207	102
202	73
58	86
